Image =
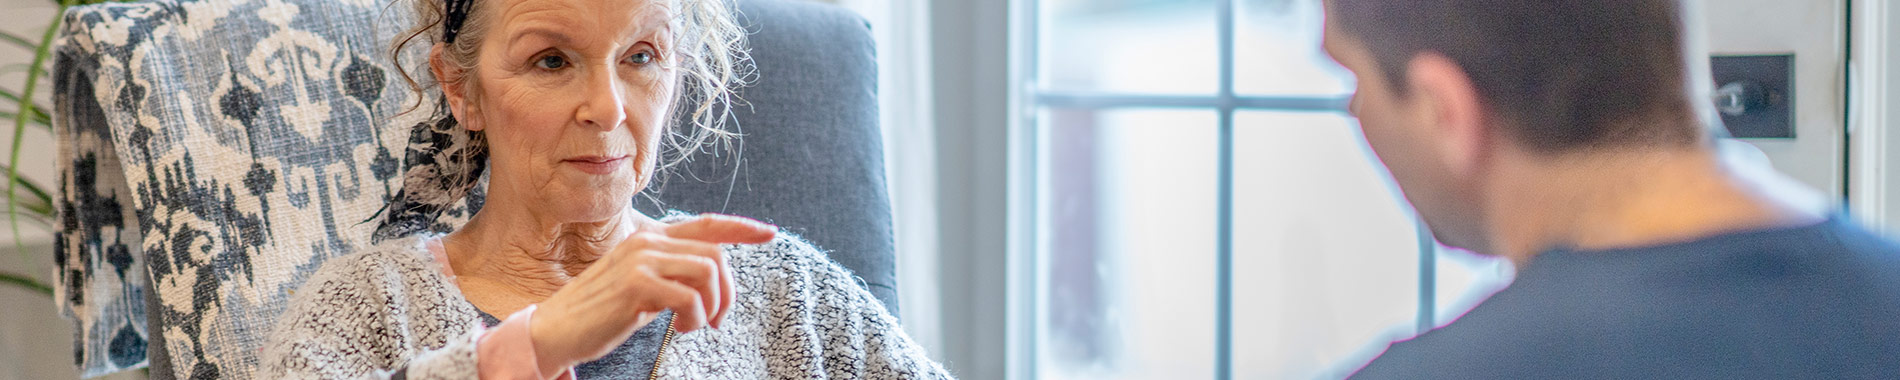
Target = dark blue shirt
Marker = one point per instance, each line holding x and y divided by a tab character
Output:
631	360
1818	301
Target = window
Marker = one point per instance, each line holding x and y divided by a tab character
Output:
1202	207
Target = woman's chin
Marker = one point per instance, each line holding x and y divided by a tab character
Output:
588	200
581	210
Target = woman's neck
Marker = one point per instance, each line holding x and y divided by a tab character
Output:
525	257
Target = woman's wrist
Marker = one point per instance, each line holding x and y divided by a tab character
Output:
510	351
547	356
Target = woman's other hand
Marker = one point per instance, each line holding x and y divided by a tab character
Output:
680	267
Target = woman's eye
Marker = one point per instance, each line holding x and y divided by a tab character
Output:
640	58
551	62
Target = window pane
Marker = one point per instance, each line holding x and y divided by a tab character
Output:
1325	251
1148	46
1277	50
1131	203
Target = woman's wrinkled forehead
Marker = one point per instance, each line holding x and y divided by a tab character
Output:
584	18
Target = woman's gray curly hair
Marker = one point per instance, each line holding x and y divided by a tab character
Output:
444	163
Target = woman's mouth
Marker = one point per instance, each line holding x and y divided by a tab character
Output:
596	165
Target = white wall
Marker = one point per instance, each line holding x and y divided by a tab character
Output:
1812	31
26	18
35	343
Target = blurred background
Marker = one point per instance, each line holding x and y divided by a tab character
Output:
1168	189
1160	123
35	342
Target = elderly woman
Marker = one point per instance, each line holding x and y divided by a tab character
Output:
565	103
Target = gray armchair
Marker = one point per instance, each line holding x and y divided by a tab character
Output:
812	159
214	153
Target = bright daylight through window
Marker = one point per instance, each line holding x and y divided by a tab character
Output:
1208	208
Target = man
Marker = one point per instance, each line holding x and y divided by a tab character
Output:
1566	137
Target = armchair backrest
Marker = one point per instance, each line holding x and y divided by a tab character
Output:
812	155
214	154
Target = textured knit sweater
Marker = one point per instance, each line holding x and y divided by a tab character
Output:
390	312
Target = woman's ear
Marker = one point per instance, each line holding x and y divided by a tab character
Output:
1462	132
454	89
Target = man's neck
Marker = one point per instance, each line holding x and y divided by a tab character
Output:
1620	199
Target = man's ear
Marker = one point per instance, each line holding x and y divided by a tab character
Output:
1449	101
454	88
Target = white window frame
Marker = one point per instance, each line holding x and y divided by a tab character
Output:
947	262
1873	98
1028	160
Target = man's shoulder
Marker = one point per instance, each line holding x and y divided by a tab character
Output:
1754	304
1491	341
1863	245
1836	258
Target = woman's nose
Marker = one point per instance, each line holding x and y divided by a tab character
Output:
600	102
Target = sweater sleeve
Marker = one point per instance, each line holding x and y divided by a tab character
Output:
373	316
859	337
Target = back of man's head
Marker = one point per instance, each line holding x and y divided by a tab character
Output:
1559	75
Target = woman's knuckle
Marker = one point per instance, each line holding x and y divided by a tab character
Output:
706	263
644	239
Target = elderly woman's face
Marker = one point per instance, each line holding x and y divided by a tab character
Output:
574	96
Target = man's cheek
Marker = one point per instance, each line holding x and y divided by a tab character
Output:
1385	143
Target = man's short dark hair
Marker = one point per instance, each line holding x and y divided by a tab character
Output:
1562	74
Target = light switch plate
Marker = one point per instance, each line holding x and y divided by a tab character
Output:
1755	94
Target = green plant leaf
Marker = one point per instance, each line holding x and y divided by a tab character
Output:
40	120
41	203
16	40
38	210
20	68
43	223
39	116
43	220
25	99
19	98
27	282
88	2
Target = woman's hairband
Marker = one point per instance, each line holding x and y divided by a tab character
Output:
456	13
